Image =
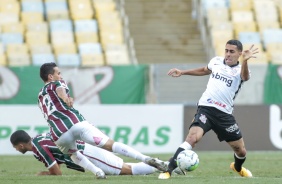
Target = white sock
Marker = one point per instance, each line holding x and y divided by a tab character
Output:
141	168
128	151
82	161
185	145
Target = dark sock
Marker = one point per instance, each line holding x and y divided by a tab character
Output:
238	163
172	162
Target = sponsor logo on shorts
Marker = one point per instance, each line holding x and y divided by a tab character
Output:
233	128
203	118
211	101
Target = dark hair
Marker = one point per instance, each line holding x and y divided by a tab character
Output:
236	43
19	136
46	69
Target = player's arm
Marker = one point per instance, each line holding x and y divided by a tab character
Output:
64	96
54	170
247	54
174	72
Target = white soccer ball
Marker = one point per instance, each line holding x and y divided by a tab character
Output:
187	160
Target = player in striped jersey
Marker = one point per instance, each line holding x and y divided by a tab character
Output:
215	107
44	150
67	125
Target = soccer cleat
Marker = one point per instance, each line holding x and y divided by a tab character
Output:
164	176
244	172
100	175
155	162
179	171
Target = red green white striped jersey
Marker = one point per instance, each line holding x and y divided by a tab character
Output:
59	116
45	150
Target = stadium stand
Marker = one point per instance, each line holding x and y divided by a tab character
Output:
254	21
56	30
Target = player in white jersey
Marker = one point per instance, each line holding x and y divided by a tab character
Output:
216	104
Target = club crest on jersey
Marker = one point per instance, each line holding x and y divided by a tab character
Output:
203	118
222	78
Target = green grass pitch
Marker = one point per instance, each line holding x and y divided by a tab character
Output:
213	169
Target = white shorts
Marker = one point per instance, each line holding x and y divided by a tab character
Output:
105	160
81	131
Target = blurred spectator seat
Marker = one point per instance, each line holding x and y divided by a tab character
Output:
64	48
7	17
13	28
32	6
244	27
7	38
207	4
31	17
89	48
236	5
81	9
116	54
58	38
89	25
219	37
273	48
38	27
242	16
16	48
88	60
40	49
10	6
39	59
35	37
250	37
86	37
61	26
18	60
3	59
272	36
57	9
217	15
91	54
268	25
86	31
276	58
68	60
17	54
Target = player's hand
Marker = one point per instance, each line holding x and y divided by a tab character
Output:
174	72
69	101
250	53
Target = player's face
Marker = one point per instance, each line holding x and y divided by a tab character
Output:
232	54
21	148
57	75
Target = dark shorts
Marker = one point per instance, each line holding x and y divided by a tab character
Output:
223	124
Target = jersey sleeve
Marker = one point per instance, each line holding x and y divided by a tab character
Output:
214	61
61	84
43	154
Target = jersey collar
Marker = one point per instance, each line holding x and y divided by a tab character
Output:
231	65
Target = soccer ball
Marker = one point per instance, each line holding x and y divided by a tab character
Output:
187	160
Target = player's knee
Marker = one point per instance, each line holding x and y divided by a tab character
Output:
108	145
126	169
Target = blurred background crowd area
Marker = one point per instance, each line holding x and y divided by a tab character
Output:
158	33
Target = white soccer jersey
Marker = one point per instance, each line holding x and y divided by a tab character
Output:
223	85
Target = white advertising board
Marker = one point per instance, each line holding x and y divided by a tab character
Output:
147	128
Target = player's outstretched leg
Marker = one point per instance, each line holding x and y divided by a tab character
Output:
244	172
